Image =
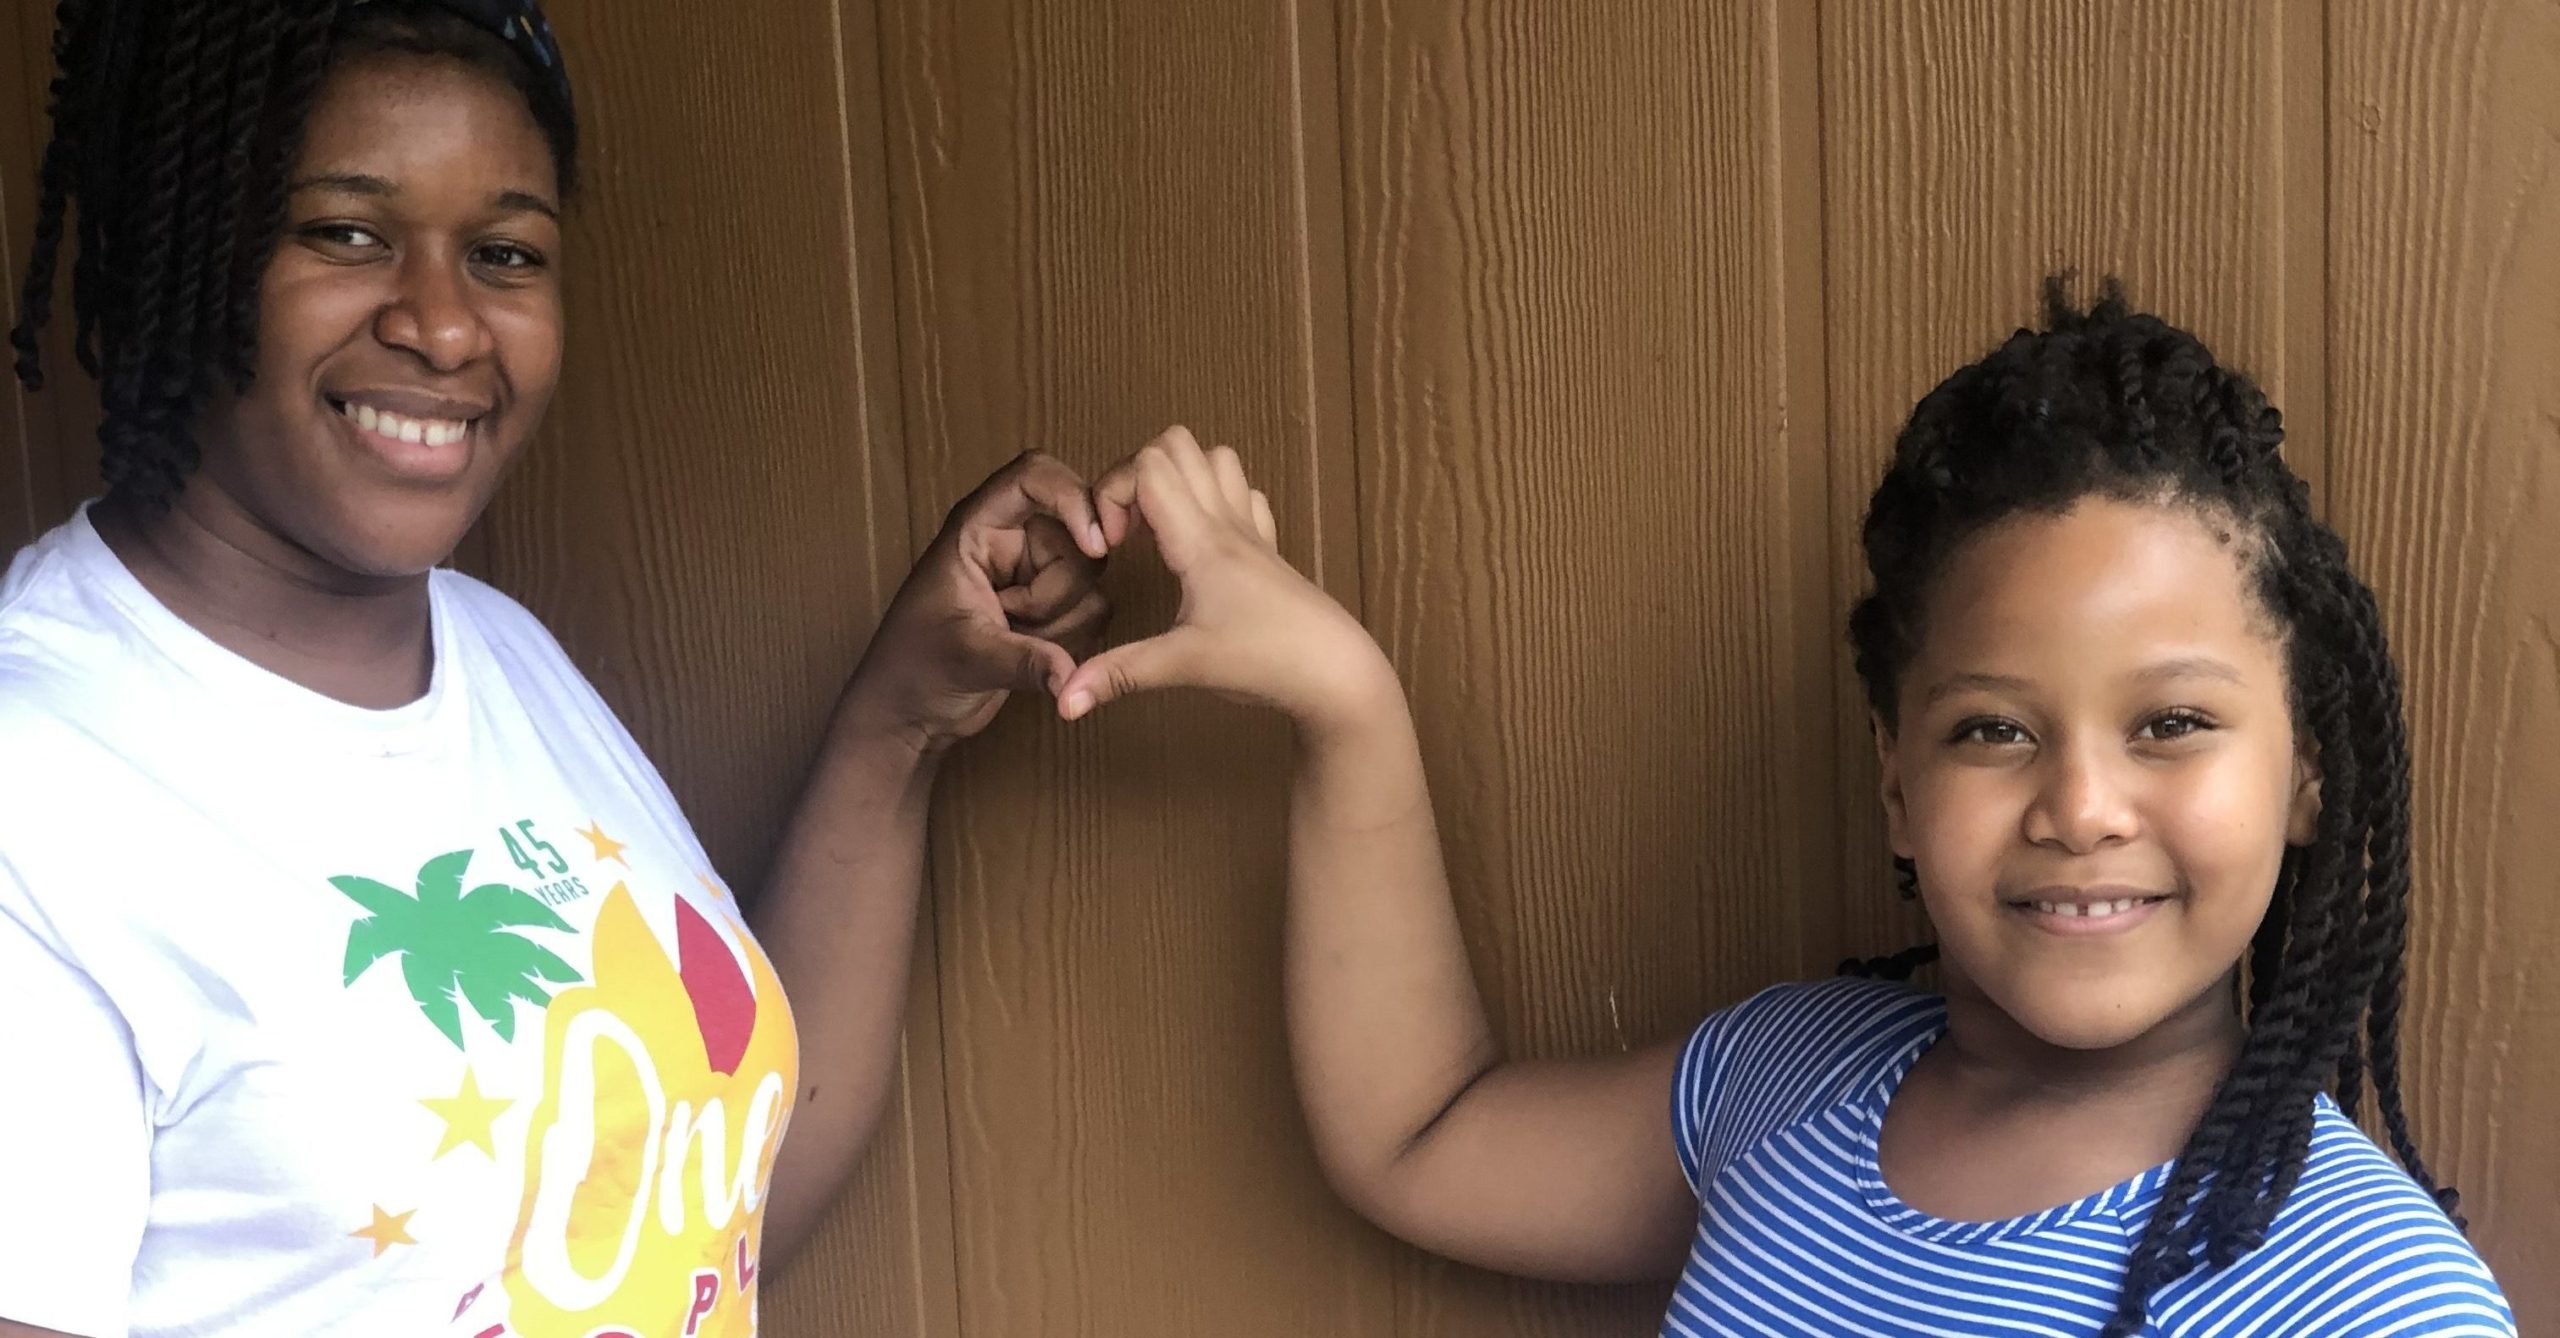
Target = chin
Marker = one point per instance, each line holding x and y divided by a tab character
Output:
395	541
2078	1021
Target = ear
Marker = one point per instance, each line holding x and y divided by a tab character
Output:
2302	816
1897	820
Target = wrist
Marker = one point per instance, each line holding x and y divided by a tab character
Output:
868	727
1359	698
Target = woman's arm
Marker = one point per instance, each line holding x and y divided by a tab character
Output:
1560	1169
992	607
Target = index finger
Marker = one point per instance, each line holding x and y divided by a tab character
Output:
1115	496
1035	484
1116	493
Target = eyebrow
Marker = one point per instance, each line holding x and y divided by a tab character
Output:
1953	684
2163	671
2191	666
360	183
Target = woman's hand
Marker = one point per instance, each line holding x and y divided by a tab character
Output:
1250	626
1003	599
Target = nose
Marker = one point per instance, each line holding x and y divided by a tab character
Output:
2082	803
433	314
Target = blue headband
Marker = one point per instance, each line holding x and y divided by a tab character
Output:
519	24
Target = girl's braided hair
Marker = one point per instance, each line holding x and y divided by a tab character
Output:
2115	403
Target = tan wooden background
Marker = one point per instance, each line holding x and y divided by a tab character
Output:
1567	339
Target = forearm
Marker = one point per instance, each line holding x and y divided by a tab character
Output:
1386	1025
1559	1168
838	920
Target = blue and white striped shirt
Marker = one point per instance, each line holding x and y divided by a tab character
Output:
1776	1108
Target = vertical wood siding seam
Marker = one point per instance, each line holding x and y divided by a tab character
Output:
927	929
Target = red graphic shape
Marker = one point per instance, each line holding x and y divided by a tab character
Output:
723	1004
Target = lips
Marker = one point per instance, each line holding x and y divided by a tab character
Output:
418	436
2093	910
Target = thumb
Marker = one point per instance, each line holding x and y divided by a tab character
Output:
1141	666
1017	662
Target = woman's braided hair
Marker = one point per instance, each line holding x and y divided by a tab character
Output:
175	123
2115	403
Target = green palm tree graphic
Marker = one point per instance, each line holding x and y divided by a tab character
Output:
455	945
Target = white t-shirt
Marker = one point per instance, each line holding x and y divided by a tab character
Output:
323	1020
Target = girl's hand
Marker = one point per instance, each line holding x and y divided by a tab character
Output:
1250	626
1003	599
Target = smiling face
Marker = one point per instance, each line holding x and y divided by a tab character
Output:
2096	768
409	325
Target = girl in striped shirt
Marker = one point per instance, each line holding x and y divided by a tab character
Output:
2144	766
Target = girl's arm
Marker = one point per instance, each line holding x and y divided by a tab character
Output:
1562	1169
991	607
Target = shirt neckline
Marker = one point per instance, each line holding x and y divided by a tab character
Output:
259	697
1867	1119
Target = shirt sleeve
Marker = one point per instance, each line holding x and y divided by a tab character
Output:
1782	1054
1692	1086
75	1137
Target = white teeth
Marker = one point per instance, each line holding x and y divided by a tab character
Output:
429	431
2095	909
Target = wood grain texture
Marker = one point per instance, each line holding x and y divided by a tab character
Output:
1594	532
1569	346
21	140
1110	217
48	440
2444	166
716	509
1970	149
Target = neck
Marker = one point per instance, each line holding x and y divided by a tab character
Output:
2176	1065
361	639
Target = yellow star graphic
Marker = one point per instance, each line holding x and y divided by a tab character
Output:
606	847
387	1230
467	1116
712	886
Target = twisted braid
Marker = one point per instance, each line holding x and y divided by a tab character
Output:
2110	402
148	411
192	327
53	190
299	45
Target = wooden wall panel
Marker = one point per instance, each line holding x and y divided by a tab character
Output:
21	139
716	509
48	441
1569	348
1110	217
1971	148
2444	163
1595	538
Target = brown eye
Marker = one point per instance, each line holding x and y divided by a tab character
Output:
507	256
343	238
1994	732
2171	726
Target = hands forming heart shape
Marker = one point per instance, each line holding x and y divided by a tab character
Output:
1006	598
